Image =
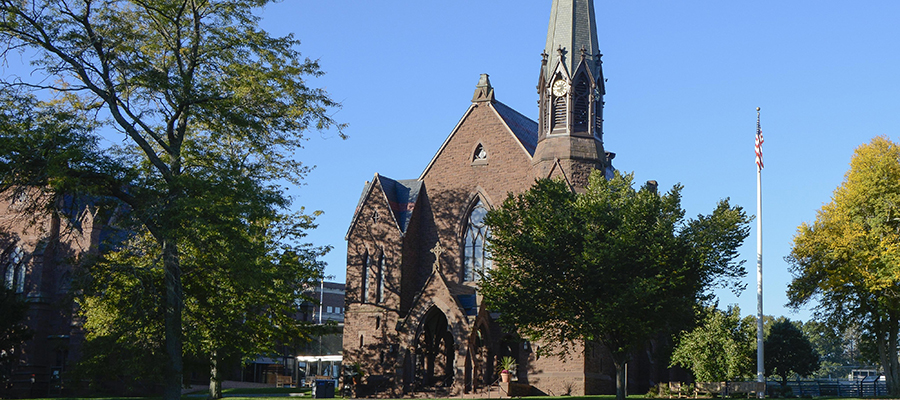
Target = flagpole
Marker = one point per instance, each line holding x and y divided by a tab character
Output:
760	368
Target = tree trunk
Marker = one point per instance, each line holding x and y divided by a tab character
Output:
215	383
620	378
174	303
887	351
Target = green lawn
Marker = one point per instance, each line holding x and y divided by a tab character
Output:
303	390
200	394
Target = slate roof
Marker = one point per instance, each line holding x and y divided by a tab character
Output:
523	127
362	199
572	25
401	196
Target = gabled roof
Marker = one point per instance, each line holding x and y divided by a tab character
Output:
400	196
435	283
523	127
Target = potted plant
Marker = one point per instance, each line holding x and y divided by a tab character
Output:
358	373
507	364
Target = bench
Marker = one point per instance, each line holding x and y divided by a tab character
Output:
281	380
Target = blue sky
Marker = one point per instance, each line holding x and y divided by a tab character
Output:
684	80
684	77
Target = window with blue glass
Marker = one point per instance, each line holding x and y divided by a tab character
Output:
476	257
14	270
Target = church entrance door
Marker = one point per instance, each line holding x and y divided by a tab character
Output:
478	361
435	351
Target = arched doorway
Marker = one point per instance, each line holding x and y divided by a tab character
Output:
479	360
435	349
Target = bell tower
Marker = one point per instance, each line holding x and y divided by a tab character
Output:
571	90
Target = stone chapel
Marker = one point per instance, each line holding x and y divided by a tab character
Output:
414	318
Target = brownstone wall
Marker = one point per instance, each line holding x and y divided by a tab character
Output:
368	326
454	180
421	235
578	156
48	243
381	336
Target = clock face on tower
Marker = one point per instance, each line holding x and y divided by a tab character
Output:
560	87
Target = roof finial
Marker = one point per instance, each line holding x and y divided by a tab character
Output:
583	52
483	91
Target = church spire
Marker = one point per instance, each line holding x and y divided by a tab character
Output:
573	29
571	90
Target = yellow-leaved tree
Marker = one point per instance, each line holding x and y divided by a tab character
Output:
849	258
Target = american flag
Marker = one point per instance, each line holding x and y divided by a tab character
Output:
759	142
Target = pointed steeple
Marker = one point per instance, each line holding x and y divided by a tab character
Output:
572	84
571	90
573	29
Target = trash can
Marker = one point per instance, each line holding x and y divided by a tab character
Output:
324	389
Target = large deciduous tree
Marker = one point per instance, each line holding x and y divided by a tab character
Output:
789	352
721	348
190	85
836	347
579	267
241	298
847	259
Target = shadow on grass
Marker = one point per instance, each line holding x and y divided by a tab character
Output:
257	391
233	394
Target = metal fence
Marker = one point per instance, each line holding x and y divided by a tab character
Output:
867	387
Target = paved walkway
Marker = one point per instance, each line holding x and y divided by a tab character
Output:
204	389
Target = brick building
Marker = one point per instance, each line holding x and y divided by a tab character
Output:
34	262
328	305
414	318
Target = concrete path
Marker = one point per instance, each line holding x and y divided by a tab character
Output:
204	390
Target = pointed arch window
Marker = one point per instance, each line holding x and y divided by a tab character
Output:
364	294
65	282
379	296
14	270
480	153
598	108
581	93
476	259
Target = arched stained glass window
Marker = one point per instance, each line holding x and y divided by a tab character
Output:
364	296
14	270
476	258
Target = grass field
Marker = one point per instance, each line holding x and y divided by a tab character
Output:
256	392
282	394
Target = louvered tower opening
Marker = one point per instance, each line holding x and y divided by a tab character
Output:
559	112
581	93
